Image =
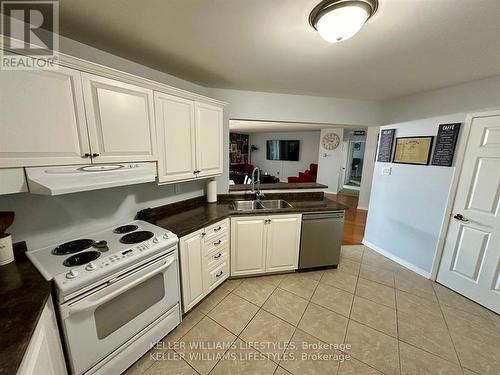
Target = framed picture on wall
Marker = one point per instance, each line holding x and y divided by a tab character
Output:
234	147
413	150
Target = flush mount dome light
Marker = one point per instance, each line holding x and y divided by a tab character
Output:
338	20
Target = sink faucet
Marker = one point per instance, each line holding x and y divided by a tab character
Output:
256	180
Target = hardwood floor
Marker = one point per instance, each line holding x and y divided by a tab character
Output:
354	221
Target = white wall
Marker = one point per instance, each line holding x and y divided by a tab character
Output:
330	163
467	97
250	105
368	166
407	208
308	153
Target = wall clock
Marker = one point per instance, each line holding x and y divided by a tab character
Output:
330	141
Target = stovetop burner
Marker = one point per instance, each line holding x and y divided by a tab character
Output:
125	229
81	258
136	237
73	247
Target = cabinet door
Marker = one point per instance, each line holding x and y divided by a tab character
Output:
42	119
44	354
191	255
209	143
283	239
248	246
120	120
176	138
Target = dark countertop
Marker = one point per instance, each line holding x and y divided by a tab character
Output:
23	294
279	186
188	216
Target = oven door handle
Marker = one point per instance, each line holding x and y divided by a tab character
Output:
87	305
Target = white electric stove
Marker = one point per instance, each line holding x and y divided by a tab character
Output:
118	292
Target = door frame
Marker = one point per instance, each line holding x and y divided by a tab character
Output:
462	146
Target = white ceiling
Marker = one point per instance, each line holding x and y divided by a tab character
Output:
408	46
247	126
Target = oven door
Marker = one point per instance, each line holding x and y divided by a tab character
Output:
100	322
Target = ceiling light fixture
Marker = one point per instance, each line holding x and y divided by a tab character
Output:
338	20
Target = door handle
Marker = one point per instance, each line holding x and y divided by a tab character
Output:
86	155
86	305
95	154
461	218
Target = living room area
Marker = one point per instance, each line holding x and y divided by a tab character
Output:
319	157
286	154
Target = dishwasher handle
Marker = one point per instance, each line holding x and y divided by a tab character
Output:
325	216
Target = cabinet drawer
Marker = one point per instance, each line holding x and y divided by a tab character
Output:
217	275
217	257
216	230
216	243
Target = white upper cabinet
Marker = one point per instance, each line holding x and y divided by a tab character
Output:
189	138
208	140
120	119
42	118
176	138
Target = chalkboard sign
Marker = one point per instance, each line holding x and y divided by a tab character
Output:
385	145
446	142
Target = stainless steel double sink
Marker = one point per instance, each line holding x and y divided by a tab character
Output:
261	205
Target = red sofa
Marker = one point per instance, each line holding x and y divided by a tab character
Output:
308	175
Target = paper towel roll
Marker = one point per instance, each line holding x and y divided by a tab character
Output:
212	191
6	251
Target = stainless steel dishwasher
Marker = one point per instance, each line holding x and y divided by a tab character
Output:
321	239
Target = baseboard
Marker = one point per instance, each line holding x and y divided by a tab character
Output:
330	192
396	259
362	208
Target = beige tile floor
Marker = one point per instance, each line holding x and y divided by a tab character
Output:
395	321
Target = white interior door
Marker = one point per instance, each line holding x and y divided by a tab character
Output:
120	120
176	141
470	263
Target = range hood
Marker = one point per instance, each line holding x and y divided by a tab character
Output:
73	178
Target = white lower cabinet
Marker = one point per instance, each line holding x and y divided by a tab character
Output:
248	245
191	255
262	244
44	354
204	257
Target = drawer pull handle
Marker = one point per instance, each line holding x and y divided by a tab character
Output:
218	256
217	229
219	274
217	243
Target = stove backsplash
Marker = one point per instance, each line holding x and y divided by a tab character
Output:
46	220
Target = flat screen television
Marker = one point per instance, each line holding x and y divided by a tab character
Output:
283	150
